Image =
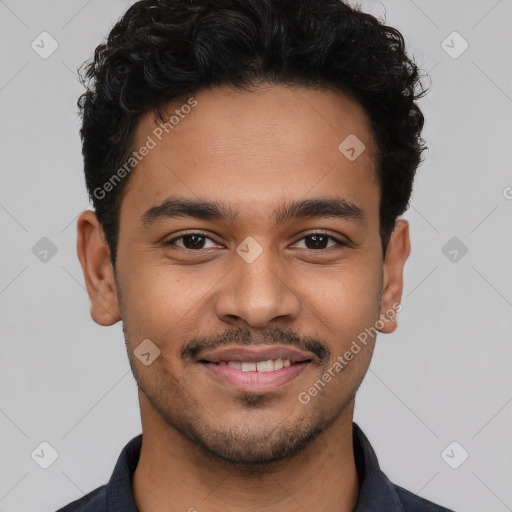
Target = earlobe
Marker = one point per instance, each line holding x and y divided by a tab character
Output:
94	256
397	253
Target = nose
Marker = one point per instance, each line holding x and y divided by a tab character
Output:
257	293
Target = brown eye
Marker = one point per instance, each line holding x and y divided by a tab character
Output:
191	241
320	241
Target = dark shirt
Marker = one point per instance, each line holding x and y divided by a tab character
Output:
376	491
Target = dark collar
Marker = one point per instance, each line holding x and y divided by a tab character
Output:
376	492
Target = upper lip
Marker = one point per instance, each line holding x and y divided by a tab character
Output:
255	353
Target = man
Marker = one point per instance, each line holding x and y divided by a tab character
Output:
248	162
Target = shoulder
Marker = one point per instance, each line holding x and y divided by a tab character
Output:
414	503
92	502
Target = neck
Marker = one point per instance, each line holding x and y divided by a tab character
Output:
172	469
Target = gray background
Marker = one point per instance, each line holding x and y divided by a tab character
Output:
443	376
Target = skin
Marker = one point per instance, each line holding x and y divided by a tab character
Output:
206	445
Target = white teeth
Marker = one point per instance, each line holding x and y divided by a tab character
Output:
265	366
261	366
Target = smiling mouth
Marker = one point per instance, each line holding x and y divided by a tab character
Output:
255	376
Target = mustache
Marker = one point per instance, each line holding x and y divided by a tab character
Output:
271	336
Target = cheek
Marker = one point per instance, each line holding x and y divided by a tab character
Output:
345	309
345	299
161	302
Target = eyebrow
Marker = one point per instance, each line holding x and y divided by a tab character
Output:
178	207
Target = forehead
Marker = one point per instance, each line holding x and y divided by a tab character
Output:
253	147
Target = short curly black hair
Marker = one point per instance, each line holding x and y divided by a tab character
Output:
161	51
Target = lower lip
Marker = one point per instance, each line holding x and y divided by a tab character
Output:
255	381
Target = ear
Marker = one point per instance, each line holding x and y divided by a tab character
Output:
94	256
398	251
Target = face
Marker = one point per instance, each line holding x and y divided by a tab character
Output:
279	274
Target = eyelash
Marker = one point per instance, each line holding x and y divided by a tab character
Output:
173	240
